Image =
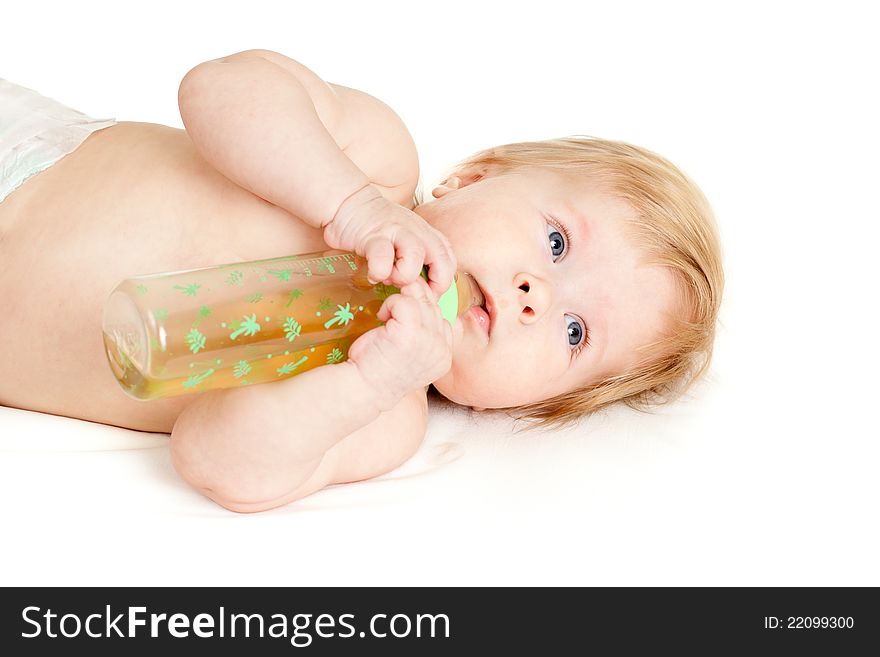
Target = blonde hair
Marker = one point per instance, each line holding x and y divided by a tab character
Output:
674	225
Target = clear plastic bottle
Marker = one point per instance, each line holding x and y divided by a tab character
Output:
244	323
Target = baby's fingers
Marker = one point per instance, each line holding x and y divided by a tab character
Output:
379	252
441	266
410	260
400	307
418	290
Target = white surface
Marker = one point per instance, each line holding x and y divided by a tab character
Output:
766	477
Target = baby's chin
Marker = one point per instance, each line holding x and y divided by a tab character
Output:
446	387
459	392
466	382
454	384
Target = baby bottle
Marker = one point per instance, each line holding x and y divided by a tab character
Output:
189	331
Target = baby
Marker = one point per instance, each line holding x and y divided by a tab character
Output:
599	263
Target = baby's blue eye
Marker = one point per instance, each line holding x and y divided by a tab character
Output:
576	332
557	241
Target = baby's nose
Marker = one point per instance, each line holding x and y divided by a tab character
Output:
533	296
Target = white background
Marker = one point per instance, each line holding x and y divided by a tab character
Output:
766	476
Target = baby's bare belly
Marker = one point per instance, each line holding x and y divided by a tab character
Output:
134	199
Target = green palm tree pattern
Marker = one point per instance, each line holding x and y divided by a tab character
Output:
142	289
292	329
197	379
249	327
342	316
325	304
235	278
204	311
189	290
282	274
161	314
334	356
295	293
241	368
195	340
256	297
287	368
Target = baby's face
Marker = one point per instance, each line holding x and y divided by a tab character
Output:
548	295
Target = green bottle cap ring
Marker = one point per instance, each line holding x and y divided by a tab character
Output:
448	301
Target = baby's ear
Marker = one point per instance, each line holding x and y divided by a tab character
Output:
446	186
470	176
459	180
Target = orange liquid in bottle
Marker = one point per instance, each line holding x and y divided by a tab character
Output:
241	324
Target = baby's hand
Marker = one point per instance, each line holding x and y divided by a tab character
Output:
395	241
412	349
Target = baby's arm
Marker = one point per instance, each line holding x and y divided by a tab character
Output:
259	447
272	126
335	157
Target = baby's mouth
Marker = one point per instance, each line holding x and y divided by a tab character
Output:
472	296
469	286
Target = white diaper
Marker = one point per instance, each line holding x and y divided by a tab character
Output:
36	132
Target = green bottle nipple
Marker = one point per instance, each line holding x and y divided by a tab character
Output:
462	295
